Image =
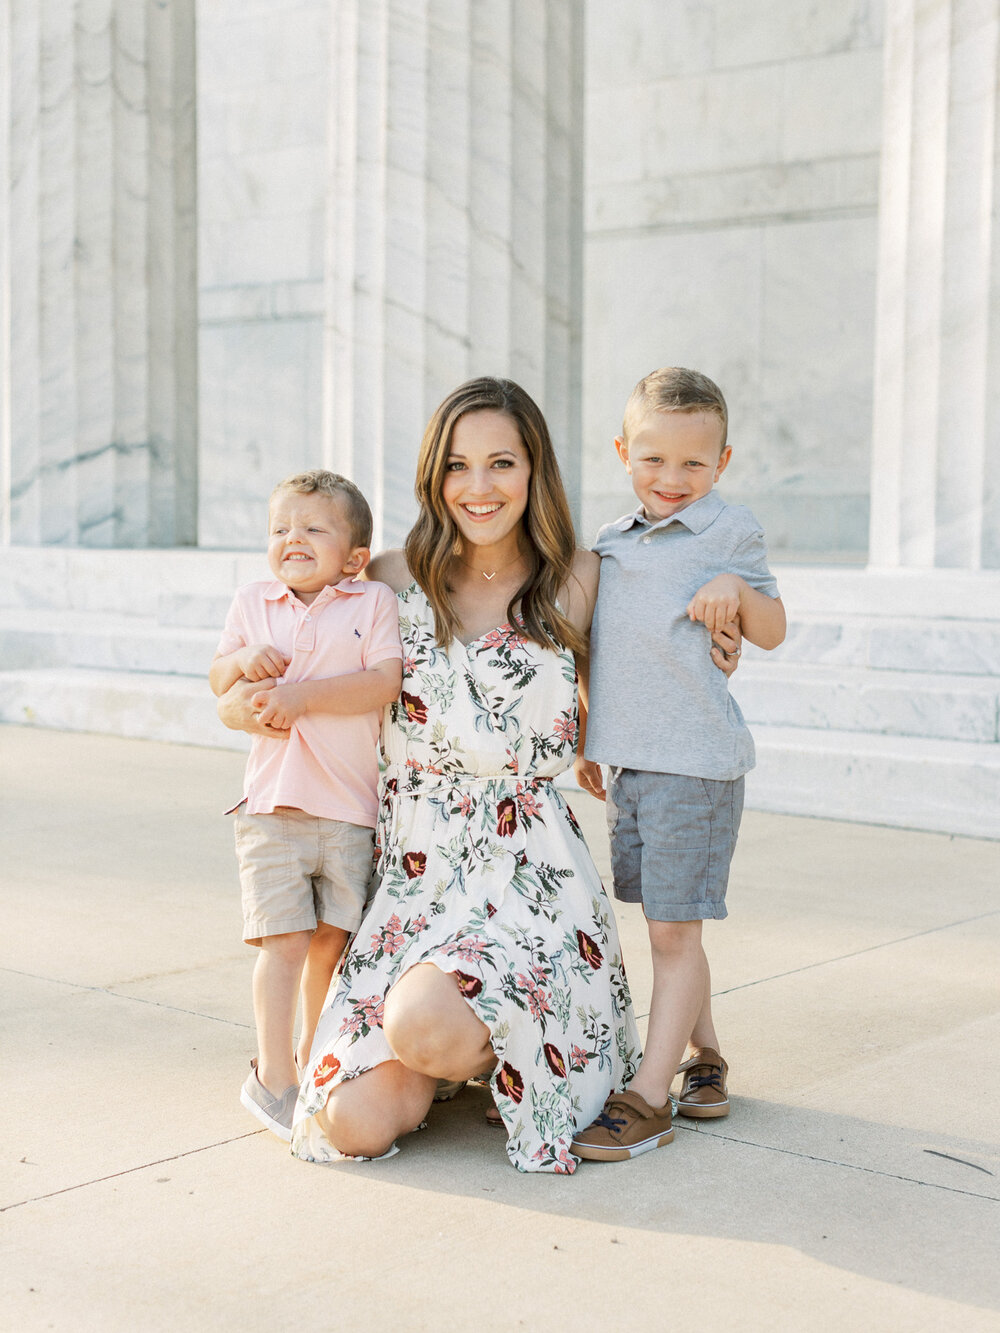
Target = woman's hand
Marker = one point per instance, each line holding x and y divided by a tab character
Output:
590	776
727	645
237	712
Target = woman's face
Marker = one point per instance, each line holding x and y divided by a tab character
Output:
487	477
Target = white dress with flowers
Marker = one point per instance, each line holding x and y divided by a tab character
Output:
483	871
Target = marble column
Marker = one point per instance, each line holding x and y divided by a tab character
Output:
454	241
936	452
99	273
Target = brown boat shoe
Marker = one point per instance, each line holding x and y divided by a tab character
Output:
626	1127
703	1094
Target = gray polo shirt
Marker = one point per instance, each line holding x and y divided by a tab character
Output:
657	700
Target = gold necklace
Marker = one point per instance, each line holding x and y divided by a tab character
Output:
491	574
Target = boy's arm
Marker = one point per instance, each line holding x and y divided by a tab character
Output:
357	692
728	597
254	662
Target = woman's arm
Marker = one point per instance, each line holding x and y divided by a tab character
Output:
389	567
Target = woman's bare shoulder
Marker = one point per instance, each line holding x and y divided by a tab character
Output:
390	567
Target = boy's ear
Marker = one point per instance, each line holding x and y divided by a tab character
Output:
622	449
357	560
723	462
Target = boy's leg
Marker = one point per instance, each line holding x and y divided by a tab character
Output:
276	977
703	1034
680	982
325	949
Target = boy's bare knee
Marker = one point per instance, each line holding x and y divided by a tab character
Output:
289	948
674	937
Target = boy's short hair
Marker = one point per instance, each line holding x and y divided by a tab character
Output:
674	389
319	481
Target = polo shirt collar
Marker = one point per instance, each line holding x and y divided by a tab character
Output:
695	517
276	590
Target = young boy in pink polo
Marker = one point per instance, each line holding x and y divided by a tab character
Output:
325	648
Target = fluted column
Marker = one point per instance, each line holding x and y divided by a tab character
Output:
454	229
936	454
98	259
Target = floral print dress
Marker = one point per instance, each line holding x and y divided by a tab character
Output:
483	871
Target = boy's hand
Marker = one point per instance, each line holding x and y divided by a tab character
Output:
279	706
590	776
716	602
261	660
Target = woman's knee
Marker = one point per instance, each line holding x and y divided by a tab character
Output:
431	1028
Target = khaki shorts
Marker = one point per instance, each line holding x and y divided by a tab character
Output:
297	869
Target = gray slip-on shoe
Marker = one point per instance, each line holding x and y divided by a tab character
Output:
275	1113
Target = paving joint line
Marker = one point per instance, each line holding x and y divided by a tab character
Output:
830	1161
131	1170
844	957
118	995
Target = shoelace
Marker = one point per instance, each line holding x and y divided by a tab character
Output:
712	1080
609	1122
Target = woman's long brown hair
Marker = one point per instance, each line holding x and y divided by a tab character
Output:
434	539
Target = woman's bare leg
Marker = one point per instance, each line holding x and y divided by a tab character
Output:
364	1116
433	1029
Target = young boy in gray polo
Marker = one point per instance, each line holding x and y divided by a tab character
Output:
658	712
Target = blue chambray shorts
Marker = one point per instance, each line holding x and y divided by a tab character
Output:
672	839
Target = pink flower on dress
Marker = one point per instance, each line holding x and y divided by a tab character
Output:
565	728
418	924
465	804
528	802
538	1000
469	949
391	938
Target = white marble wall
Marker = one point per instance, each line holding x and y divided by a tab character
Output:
454	229
732	182
936	454
98	272
263	87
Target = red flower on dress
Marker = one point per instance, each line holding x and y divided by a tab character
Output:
327	1069
490	910
589	951
469	986
416	709
554	1060
414	863
506	817
510	1082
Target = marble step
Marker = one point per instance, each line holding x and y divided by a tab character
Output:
908	782
889	643
103	641
853	698
905	782
140	705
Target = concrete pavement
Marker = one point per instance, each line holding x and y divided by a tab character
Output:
856	1183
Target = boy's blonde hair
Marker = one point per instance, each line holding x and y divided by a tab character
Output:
319	481
674	389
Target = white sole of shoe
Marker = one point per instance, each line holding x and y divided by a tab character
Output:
284	1134
592	1154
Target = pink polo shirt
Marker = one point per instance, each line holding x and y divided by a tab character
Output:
329	764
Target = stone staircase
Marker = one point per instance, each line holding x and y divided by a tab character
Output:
882	705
